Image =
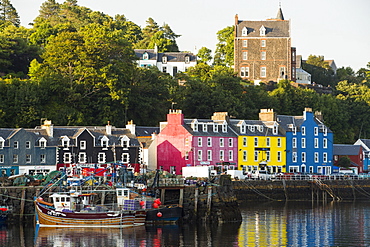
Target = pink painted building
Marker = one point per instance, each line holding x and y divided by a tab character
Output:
193	142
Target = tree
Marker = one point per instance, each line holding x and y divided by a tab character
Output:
204	55
344	161
8	13
162	37
320	70
224	54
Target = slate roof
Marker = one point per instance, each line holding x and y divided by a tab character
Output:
296	121
187	125
142	131
265	132
346	149
274	28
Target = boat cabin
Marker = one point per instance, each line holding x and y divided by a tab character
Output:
122	195
72	201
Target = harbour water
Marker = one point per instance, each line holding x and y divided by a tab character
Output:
264	224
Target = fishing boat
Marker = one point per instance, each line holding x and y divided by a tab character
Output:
75	209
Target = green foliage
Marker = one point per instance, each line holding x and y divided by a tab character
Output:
224	54
344	161
321	72
204	55
8	13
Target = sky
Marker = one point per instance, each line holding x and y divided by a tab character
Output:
335	29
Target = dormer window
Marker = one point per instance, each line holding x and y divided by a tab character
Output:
224	127
104	143
275	130
164	59
251	128
125	142
215	127
204	127
262	31
42	143
244	31
242	129
2	141
194	125
260	128
145	56
65	142
187	59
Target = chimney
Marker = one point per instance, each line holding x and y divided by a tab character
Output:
307	111
319	116
175	117
220	116
49	127
131	127
108	128
267	115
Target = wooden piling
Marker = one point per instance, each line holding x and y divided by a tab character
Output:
23	202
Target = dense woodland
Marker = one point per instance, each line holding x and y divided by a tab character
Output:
76	66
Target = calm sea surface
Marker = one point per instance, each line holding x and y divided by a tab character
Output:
264	224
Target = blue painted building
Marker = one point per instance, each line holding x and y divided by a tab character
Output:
309	143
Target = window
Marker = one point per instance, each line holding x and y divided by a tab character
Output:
42	158
204	127
263	43
101	157
267	141
245	43
28	158
2	158
224	128
267	155
244	72
209	155
209	142
294	156
311	169
199	141
126	158
245	143
221	142
186	155
294	142
245	156
263	72
187	59
83	145
244	31
303	142
222	155
164	59
215	127
279	142
325	143
199	155
195	126
303	157
282	72
42	144
186	141
242	129
256	142
15	145
303	130
316	157
294	130
262	31
230	142
325	157
67	158
125	143
316	131
174	70
82	157
245	55
1	144
145	56
28	144
279	156
316	140
263	55
275	130
231	155
255	155
164	69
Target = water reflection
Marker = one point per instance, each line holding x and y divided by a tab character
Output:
264	224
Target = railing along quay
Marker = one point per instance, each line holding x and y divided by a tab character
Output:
313	177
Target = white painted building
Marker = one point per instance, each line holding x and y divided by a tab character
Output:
168	62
